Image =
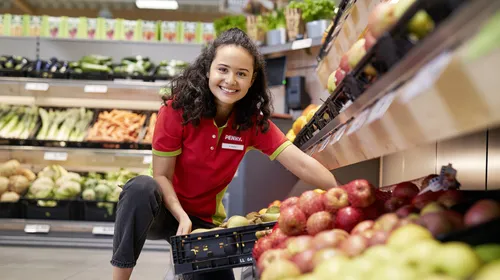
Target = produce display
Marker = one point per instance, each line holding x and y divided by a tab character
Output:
65	124
301	121
93	64
17	122
170	68
14	181
117	126
148	138
359	232
9	62
134	66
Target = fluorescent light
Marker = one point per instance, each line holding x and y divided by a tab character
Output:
157	4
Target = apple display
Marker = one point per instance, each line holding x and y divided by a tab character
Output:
386	222
456	259
304	260
408	234
334	199
348	217
280	269
311	202
319	222
406	191
354	245
329	239
292	221
363	226
481	212
360	193
299	244
291	201
324	254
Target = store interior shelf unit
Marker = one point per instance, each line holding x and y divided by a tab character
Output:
435	92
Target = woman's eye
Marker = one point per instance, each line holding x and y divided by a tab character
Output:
242	74
223	70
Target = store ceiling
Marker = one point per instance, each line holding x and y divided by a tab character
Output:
184	5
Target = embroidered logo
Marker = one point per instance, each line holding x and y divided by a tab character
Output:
233	138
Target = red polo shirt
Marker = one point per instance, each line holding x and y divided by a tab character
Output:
207	158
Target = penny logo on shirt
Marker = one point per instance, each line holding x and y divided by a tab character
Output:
233	138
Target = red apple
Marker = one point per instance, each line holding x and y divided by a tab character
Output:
354	245
382	195
386	222
319	222
348	217
334	79
324	254
436	223
304	260
393	204
329	239
291	201
406	210
270	256
261	246
370	40
311	202
456	219
374	211
421	200
292	221
481	212
379	237
344	63
334	199
450	198
405	190
299	244
360	193
363	226
277	237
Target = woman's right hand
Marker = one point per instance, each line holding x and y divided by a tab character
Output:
184	226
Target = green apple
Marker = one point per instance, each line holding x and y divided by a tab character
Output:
280	269
380	254
362	266
488	252
307	276
421	24
330	268
408	234
490	271
418	255
440	277
432	207
456	259
393	272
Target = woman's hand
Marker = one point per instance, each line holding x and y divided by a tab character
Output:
184	226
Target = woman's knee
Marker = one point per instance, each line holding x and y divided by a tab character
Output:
141	187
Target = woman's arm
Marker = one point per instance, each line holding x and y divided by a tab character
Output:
306	168
163	172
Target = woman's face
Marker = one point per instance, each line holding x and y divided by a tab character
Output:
231	74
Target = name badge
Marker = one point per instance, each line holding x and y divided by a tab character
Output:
232	146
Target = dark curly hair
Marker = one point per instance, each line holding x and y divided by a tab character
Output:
190	90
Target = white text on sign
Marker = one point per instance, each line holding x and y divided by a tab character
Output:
56	156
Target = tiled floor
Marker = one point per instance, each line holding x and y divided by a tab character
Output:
24	263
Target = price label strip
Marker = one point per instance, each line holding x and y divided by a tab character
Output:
381	107
359	122
55	156
147	159
36	228
103	230
301	44
426	77
95	89
37	86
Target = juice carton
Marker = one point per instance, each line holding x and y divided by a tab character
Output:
32	25
16	25
93	30
169	31
188	32
3	25
74	27
206	33
52	27
129	30
110	29
149	31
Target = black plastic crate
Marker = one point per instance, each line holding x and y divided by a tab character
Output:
99	76
64	210
99	211
47	75
215	250
11	210
12	73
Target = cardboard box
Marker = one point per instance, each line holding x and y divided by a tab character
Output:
188	32
170	31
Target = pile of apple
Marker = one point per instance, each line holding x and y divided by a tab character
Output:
410	253
381	19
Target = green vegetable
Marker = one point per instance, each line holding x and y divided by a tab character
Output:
114	195
228	22
67	190
91	67
96	59
101	191
18	121
274	20
53	172
313	10
88	194
65	125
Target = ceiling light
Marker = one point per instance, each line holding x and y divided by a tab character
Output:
157	4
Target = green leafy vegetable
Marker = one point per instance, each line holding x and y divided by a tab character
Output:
228	22
313	10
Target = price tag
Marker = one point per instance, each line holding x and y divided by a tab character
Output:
358	122
95	88
381	107
37	86
301	44
36	228
57	156
336	137
246	260
103	230
426	77
147	159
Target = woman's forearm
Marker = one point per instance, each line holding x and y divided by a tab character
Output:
314	173
170	197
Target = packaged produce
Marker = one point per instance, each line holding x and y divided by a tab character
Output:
207	33
64	125
17	122
170	68
73	29
32	25
149	31
93	29
16	25
52	27
129	30
110	28
170	31
117	126
133	66
188	32
150	129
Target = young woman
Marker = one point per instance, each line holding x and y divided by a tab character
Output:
219	108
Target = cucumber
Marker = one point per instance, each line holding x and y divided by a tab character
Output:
89	67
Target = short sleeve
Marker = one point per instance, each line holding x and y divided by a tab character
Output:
167	137
272	142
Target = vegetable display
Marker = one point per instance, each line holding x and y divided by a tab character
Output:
14	181
313	10
17	122
228	22
170	68
64	125
134	66
117	126
150	129
274	20
9	62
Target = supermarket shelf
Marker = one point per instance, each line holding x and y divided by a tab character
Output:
292	46
69	234
78	150
459	101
